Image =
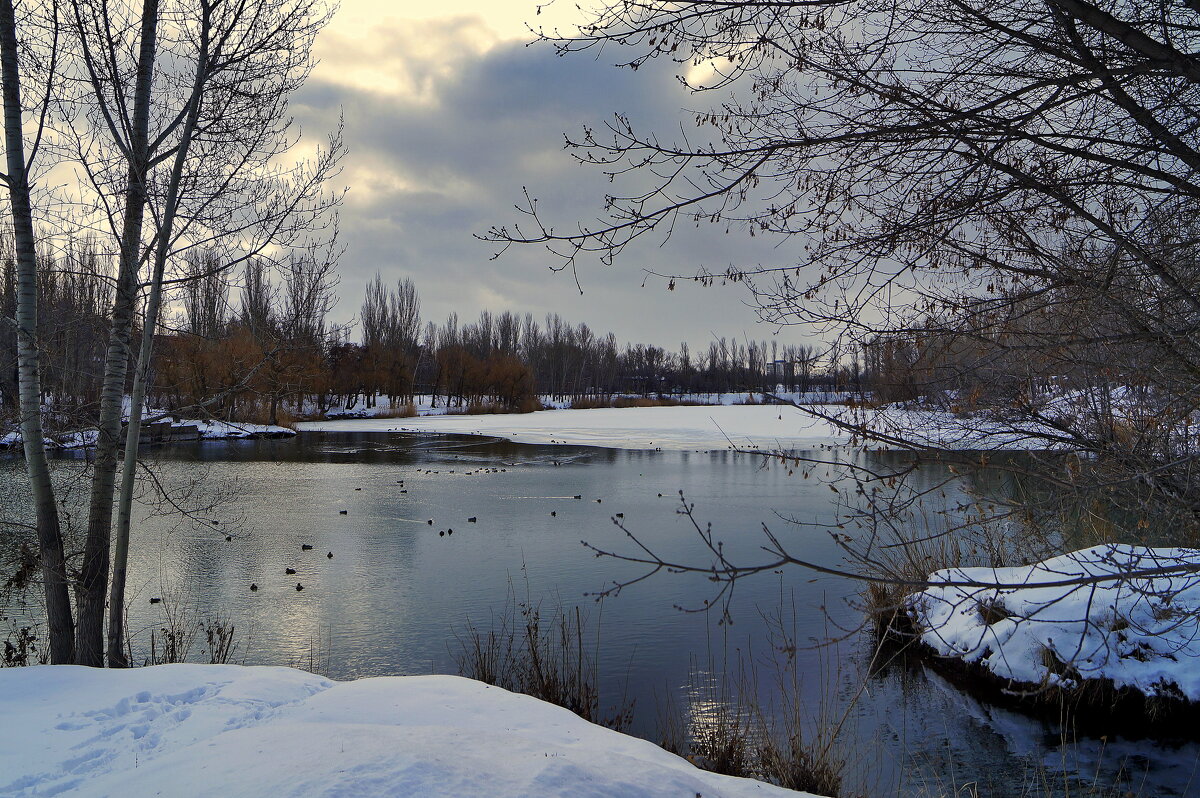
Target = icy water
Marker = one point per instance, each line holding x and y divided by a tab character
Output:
399	590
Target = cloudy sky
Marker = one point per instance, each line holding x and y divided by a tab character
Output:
449	113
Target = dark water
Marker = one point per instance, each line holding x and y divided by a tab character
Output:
396	590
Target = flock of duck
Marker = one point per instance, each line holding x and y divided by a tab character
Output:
441	533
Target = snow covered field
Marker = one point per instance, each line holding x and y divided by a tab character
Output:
685	427
229	731
764	427
1142	633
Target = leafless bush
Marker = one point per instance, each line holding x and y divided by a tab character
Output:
170	644
21	648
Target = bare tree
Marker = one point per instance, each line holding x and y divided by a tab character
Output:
1001	194
1043	153
205	294
176	115
17	179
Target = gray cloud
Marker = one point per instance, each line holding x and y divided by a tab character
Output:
428	170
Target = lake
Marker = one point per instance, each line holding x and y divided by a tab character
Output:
397	593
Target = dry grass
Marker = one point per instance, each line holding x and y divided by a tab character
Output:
910	547
180	629
543	655
220	644
790	741
285	418
593	403
725	742
401	411
260	413
526	405
736	735
724	729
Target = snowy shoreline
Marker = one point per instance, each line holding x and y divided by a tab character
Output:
231	730
713	427
1127	647
723	425
193	429
764	427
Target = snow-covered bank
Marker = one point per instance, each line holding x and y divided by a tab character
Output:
764	427
227	730
935	428
718	427
1141	633
424	404
186	429
229	430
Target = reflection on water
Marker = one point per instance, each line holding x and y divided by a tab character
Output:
408	567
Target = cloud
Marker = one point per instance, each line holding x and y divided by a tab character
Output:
446	126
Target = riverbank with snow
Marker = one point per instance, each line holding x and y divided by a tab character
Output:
228	731
175	429
1101	624
721	422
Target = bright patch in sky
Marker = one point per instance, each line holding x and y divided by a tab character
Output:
449	118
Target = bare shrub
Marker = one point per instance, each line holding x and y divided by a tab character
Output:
21	648
170	644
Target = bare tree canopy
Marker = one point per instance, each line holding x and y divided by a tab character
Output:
1004	189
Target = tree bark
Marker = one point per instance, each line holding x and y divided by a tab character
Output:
89	633
117	657
53	562
116	603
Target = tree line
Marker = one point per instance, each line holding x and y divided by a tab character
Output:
271	348
258	345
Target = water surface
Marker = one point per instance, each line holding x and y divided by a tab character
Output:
399	590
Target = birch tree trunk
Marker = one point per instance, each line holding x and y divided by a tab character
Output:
116	602
54	577
89	633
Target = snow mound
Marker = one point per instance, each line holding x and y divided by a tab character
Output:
224	430
228	730
1142	633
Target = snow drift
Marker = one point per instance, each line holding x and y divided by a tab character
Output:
228	730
